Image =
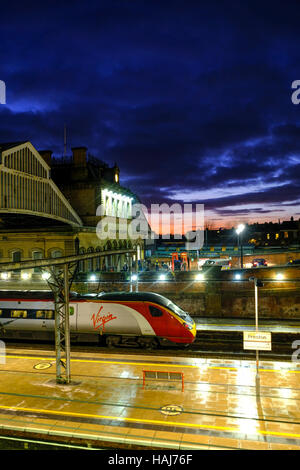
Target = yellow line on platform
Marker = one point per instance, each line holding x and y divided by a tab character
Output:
247	326
145	421
145	364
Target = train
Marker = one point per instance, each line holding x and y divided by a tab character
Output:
144	319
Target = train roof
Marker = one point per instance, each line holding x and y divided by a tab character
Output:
26	294
134	296
113	296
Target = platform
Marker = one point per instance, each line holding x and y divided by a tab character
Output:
246	324
221	407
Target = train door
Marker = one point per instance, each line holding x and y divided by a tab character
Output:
73	310
158	318
47	318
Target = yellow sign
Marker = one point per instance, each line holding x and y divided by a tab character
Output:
42	365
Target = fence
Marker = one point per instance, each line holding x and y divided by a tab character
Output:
163	375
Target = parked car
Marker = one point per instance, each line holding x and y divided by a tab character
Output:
259	262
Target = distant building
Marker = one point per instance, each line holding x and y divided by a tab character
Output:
283	233
87	182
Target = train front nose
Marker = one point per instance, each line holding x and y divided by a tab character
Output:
191	329
194	331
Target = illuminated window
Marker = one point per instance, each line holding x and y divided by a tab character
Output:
268	236
115	204
276	236
19	313
286	235
116	177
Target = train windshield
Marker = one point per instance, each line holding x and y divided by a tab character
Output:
181	313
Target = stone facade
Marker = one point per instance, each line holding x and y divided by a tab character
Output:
82	180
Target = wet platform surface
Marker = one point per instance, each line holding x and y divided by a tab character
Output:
242	324
222	405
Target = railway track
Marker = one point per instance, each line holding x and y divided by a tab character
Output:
214	344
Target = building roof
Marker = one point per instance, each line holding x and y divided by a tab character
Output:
8	145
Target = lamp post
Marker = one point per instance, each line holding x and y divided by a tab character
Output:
239	231
257	283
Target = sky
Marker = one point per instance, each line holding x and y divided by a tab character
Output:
192	99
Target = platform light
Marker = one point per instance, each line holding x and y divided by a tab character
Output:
134	277
45	276
240	228
162	277
25	276
279	277
4	276
92	278
200	277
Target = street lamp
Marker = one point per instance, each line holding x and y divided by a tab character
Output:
239	231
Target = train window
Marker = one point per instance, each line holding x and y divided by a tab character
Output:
19	313
5	313
155	312
44	314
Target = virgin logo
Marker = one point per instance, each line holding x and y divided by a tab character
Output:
100	320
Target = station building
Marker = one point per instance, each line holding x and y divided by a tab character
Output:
48	207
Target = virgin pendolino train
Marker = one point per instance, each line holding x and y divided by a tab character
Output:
146	319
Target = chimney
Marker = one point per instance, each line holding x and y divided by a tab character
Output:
79	156
47	155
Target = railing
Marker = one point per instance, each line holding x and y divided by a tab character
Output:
163	376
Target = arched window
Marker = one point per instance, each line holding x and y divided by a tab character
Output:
16	258
37	254
56	253
81	263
